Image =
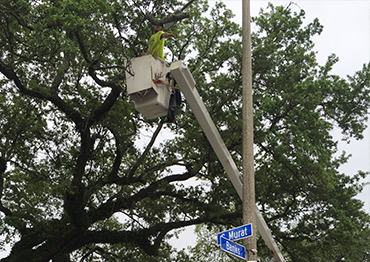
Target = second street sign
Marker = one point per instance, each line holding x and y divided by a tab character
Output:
232	248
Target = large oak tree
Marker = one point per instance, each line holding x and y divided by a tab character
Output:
83	176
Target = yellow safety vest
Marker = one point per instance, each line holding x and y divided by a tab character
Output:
156	45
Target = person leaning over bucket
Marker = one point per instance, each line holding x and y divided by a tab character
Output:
156	41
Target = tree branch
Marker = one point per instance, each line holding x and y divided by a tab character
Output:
146	151
142	237
54	98
106	105
3	209
117	202
167	19
114	85
11	75
60	74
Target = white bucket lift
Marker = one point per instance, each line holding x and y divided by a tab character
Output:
151	98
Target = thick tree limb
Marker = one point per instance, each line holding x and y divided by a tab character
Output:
167	19
113	84
54	98
106	105
142	237
118	202
174	17
11	75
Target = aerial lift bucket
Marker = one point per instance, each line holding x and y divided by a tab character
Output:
148	87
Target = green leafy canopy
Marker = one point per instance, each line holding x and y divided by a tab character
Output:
84	177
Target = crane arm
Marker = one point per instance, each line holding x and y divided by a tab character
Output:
185	81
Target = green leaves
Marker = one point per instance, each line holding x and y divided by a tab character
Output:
297	104
89	178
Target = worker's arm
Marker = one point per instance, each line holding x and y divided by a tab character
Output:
167	35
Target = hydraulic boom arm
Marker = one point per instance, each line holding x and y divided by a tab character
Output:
186	83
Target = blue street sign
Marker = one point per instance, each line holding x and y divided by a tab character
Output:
232	248
235	233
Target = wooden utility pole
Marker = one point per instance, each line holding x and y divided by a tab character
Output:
249	200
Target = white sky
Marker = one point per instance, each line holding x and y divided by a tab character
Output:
347	34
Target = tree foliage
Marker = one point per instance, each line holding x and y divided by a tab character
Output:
84	176
298	103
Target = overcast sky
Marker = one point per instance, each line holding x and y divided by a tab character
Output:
347	34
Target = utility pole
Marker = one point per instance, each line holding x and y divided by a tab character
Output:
249	199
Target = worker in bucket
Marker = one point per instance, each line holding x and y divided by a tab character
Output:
156	41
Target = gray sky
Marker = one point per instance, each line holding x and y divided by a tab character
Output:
347	34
